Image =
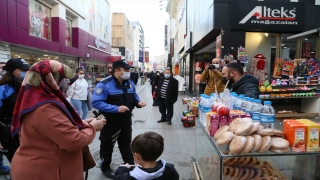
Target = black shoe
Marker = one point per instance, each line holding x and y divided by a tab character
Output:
169	122
108	173
160	121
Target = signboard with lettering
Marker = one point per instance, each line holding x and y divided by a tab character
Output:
146	53
141	56
267	16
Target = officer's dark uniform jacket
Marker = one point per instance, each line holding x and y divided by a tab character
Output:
109	94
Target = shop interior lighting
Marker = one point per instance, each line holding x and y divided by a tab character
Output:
45	55
306	39
266	34
312	52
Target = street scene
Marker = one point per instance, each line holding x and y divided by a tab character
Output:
159	89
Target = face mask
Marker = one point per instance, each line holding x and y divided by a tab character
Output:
22	75
158	74
167	76
81	76
217	66
125	76
224	80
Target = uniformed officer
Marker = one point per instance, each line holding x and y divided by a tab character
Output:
115	97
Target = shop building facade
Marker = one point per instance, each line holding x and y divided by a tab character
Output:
75	34
259	27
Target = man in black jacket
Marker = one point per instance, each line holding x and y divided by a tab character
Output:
167	94
240	83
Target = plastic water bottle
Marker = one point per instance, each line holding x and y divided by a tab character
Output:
267	115
255	110
234	98
239	102
249	106
244	104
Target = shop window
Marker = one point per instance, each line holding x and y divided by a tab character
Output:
68	32
39	17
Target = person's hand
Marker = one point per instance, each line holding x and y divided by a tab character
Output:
156	87
88	120
1	146
98	124
214	70
142	104
123	109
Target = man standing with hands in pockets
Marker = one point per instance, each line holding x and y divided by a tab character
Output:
115	98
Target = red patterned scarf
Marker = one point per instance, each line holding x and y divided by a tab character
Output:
39	87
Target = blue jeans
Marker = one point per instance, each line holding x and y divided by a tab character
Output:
81	107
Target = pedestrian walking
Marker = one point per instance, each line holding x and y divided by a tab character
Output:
167	95
147	148
115	97
16	69
78	93
52	134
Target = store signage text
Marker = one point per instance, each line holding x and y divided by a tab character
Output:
99	44
267	15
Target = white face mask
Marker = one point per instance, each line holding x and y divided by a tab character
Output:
125	76
81	76
217	66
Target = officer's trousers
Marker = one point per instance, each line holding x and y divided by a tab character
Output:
112	132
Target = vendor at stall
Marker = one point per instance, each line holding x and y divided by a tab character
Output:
240	83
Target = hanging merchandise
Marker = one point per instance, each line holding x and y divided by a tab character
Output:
259	67
306	50
242	57
300	68
278	65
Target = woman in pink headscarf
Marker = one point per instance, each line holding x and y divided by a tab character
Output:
52	134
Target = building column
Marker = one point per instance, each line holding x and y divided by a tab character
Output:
278	45
58	24
298	48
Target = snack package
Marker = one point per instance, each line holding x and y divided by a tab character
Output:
288	68
214	124
223	120
278	65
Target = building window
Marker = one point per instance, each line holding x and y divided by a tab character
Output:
39	17
68	32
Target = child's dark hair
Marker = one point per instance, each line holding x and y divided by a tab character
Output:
149	145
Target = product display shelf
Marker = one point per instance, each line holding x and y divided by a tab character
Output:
291	165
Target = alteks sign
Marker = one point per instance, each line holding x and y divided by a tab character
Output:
267	16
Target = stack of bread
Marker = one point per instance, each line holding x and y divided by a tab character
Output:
244	136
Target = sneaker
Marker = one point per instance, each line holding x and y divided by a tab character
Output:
160	121
169	122
4	170
108	173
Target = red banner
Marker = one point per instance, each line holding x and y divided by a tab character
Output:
146	56
115	58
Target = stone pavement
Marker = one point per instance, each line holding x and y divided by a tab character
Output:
179	148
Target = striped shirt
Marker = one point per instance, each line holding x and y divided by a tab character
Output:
163	89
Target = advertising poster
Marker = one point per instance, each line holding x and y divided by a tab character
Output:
68	32
146	53
39	17
141	56
218	47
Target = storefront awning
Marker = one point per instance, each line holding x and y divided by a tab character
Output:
313	31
